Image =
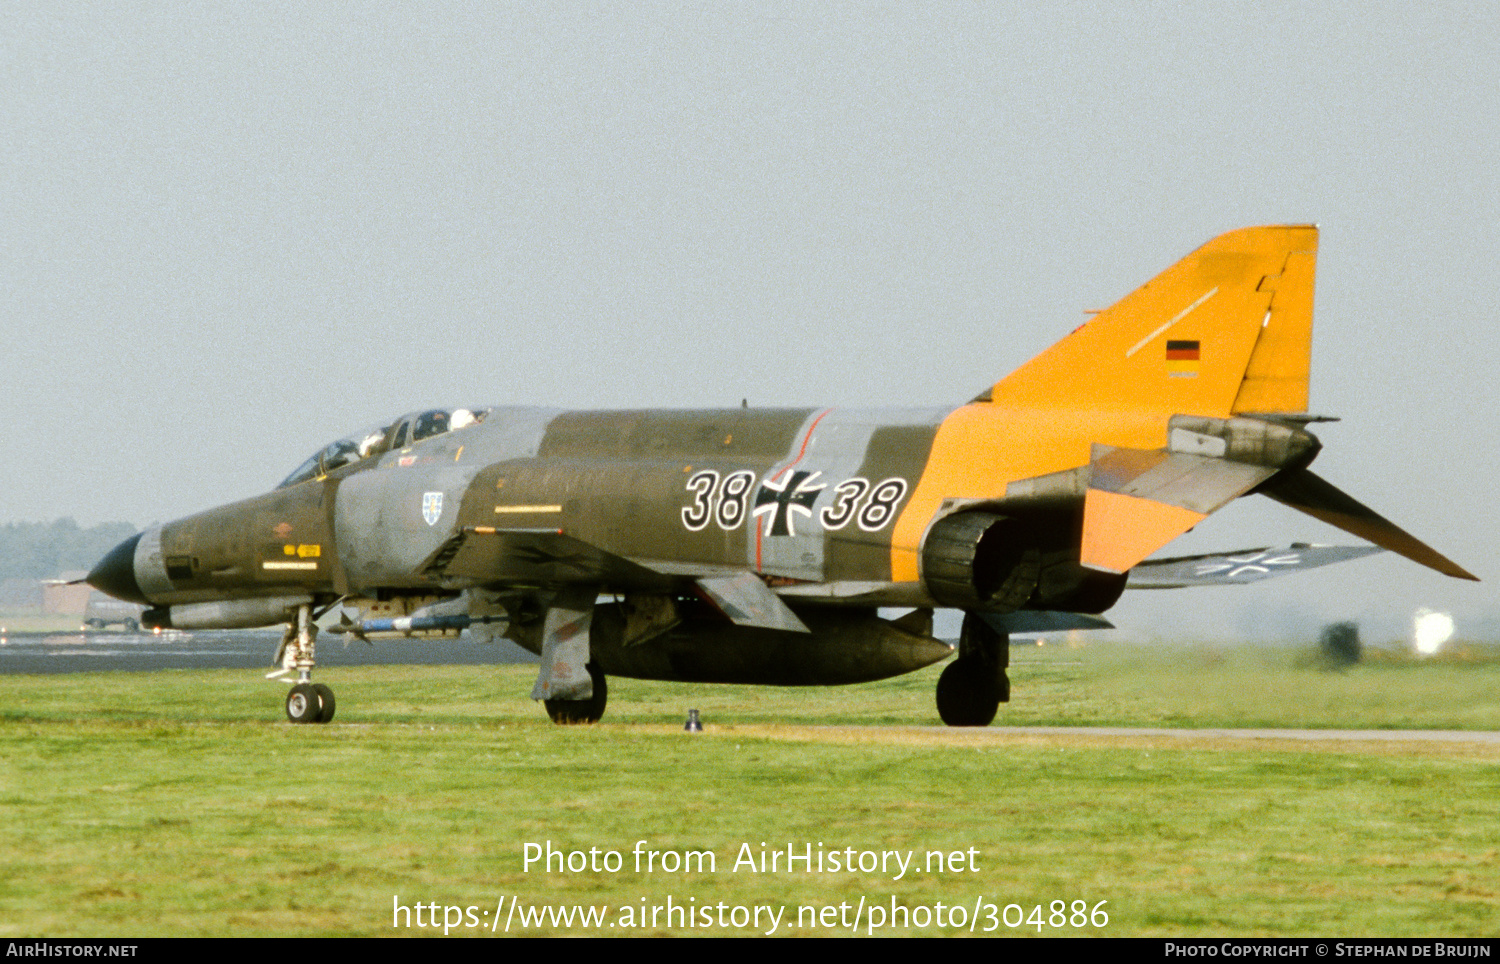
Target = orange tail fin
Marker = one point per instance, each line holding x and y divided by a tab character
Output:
1227	329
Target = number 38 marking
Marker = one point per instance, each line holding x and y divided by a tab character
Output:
876	512
725	503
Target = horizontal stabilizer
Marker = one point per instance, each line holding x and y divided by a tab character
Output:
747	601
1234	568
1306	492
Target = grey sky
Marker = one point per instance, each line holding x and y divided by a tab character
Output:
231	234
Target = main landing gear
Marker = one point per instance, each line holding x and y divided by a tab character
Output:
307	702
590	710
973	686
568	683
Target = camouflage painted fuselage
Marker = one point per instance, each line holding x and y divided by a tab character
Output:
804	495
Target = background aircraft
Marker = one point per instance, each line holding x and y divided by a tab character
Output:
759	545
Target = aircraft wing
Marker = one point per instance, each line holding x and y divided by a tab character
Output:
1234	568
548	557
536	557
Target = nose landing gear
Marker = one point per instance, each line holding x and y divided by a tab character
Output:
310	703
307	702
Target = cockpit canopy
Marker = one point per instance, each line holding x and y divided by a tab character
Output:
405	431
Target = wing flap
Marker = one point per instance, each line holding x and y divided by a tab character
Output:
747	601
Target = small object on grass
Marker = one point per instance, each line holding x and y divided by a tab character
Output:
1339	645
694	725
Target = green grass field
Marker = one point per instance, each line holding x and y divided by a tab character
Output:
181	803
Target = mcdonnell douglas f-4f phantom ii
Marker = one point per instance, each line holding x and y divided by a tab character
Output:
760	546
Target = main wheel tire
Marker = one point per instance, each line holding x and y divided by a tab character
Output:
581	711
303	705
325	701
965	697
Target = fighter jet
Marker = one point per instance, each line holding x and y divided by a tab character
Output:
764	545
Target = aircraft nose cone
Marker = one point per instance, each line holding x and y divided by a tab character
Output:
115	573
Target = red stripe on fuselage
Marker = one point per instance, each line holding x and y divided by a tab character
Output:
801	451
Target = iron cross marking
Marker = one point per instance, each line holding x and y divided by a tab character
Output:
1255	564
781	499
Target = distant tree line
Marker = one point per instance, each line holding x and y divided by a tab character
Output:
42	550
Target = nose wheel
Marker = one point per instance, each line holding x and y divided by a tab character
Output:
310	703
306	702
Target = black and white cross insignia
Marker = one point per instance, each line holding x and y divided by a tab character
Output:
781	499
1256	564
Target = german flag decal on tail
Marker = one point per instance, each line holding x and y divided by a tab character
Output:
1182	359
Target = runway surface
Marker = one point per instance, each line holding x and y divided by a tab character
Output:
240	649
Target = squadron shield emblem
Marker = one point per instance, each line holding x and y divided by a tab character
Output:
432	507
